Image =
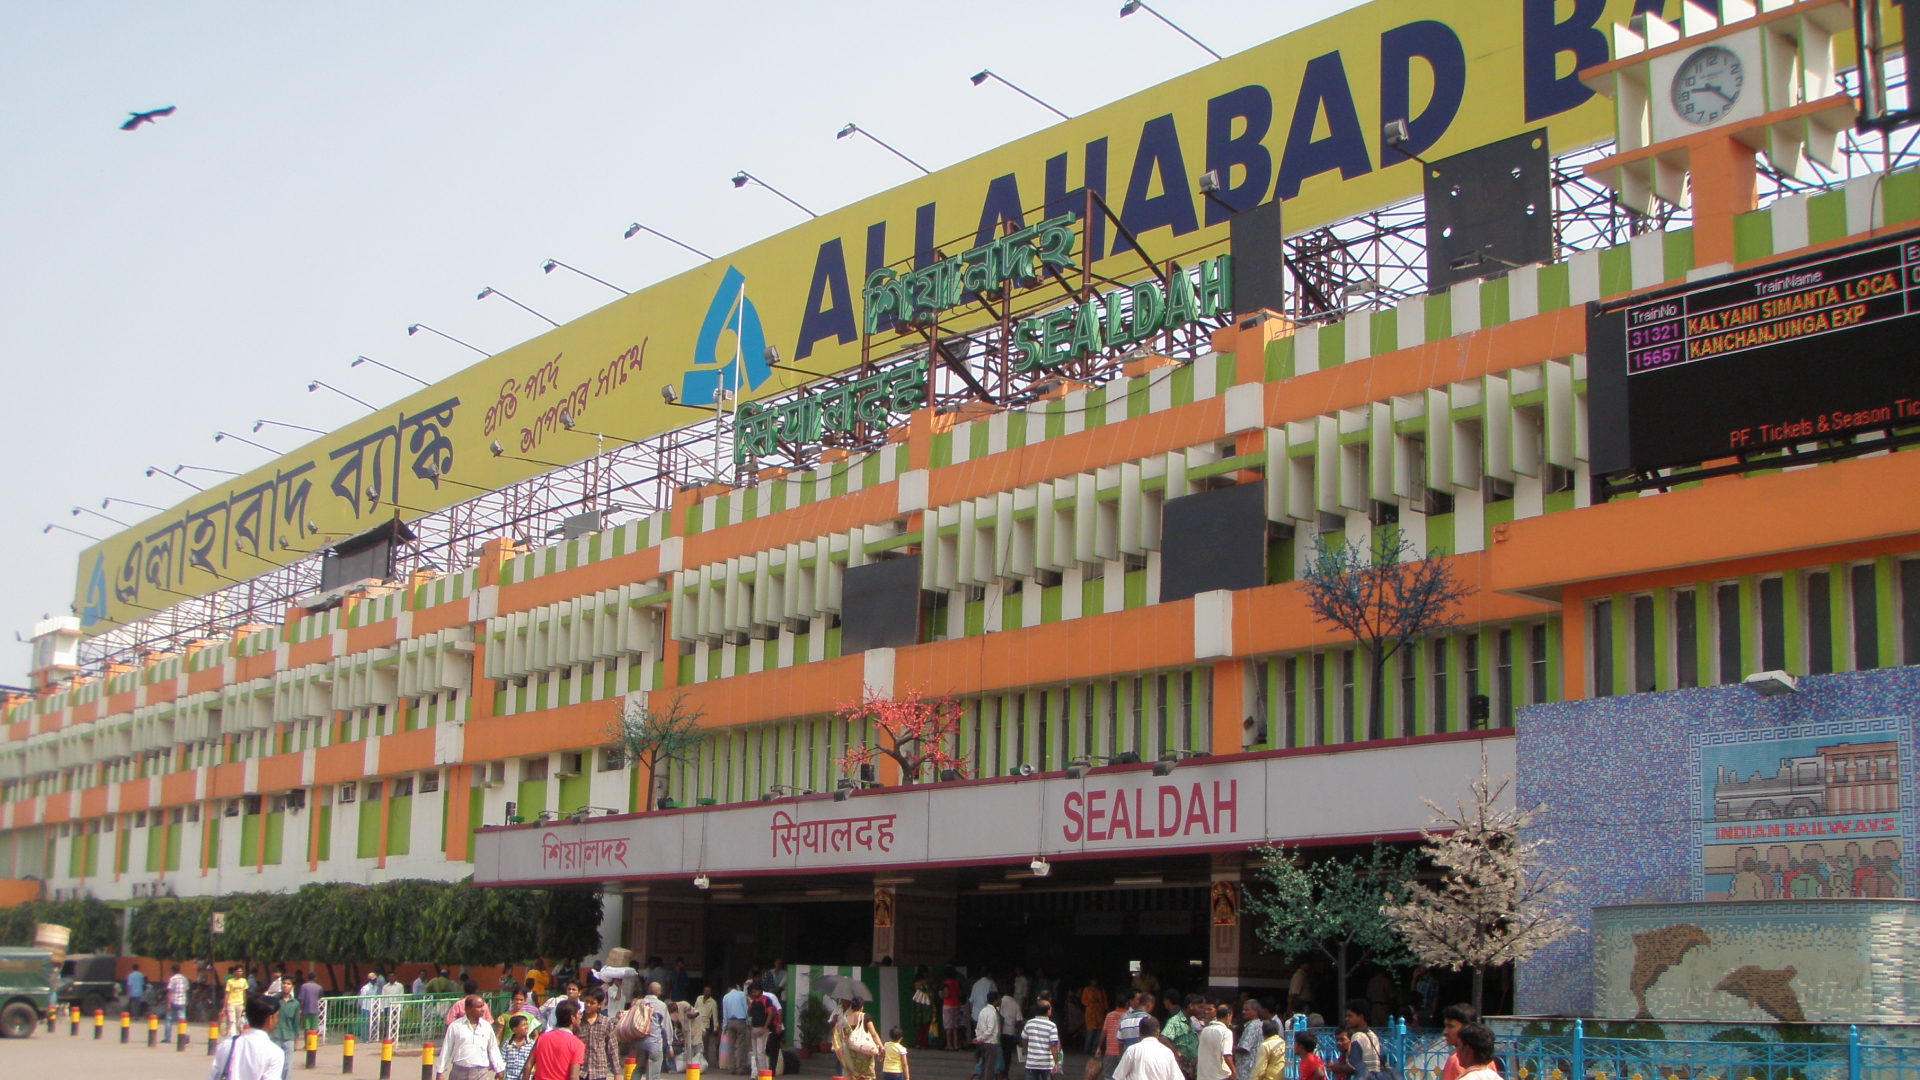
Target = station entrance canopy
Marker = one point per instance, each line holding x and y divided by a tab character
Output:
1232	803
1298	118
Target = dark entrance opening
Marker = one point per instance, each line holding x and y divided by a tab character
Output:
1096	933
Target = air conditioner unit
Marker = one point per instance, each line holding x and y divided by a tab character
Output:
494	774
348	792
572	764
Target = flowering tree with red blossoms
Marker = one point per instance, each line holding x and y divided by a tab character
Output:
917	732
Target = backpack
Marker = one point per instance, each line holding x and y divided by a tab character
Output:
757	1012
1379	1067
635	1023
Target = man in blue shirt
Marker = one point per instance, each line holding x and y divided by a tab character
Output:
733	1019
1129	1032
137	993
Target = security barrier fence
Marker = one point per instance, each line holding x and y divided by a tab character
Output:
409	1020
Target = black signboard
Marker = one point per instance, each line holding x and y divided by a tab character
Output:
1800	352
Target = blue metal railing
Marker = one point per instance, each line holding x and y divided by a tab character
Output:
1811	1052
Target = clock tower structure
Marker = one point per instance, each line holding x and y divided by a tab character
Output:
1694	103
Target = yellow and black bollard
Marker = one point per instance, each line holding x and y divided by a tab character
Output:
99	1023
626	1071
426	1062
386	1059
213	1036
73	1016
153	1030
180	1036
346	1057
126	1027
313	1049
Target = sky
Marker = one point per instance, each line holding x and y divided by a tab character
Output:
338	171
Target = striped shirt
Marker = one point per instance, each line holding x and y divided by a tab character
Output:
1042	1036
177	991
515	1055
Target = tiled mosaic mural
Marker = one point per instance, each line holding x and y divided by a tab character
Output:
1719	793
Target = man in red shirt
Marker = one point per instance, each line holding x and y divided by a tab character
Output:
953	1014
559	1054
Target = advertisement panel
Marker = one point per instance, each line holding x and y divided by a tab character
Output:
1298	118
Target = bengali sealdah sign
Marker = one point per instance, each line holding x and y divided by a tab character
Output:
1296	118
1021	259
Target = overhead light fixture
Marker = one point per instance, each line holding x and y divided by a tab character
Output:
1041	867
1132	6
548	267
566	419
1129	757
701	881
636	229
771	354
743	178
999	886
1771	683
1166	765
1139	879
496	448
893	879
669	394
1210	181
846	131
986	74
1078	768
824	892
417	327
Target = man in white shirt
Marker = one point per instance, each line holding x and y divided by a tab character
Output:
471	1050
252	1055
1009	1031
1148	1059
1214	1059
982	986
986	1037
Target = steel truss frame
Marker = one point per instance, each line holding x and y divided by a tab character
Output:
1369	262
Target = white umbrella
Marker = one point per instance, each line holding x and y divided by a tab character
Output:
842	988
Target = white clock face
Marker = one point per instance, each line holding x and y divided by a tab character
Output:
1707	85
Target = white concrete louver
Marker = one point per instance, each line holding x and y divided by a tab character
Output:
436	663
603	627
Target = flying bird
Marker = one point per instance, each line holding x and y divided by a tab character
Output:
136	119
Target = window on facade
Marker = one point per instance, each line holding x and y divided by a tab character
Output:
1537	664
1686	638
1470	657
1139	724
1910	611
1291	695
1726	599
1866	623
1503	679
1602	650
1440	702
1773	624
1643	644
1819	617
533	768
1318	714
1409	693
1113	717
1346	692
1186	710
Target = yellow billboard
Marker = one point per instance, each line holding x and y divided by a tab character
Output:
1298	118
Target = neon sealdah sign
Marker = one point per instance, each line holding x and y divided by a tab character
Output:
1112	320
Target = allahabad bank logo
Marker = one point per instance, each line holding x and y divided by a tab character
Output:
95	609
730	354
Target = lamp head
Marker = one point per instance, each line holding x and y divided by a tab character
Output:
848	130
668	395
219	435
76	511
1210	181
357	361
484	293
547	267
772	356
496	448
1166	765
631	230
1129	8
740	179
1040	867
701	881
413	329
566	420
980	78
150	470
313	387
1394	132
47	529
257	425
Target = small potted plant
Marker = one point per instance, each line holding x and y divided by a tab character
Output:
813	1026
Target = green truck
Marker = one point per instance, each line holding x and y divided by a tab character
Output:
26	991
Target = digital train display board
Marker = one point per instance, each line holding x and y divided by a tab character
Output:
1800	352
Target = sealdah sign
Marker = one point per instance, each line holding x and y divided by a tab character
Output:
1140	813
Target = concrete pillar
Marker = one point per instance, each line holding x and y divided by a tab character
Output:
913	926
665	928
1234	956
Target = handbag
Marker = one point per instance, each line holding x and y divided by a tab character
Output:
860	1042
1092	1071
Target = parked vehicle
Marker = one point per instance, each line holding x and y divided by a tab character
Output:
26	991
88	980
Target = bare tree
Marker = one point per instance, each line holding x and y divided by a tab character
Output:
656	737
1497	901
1388	598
